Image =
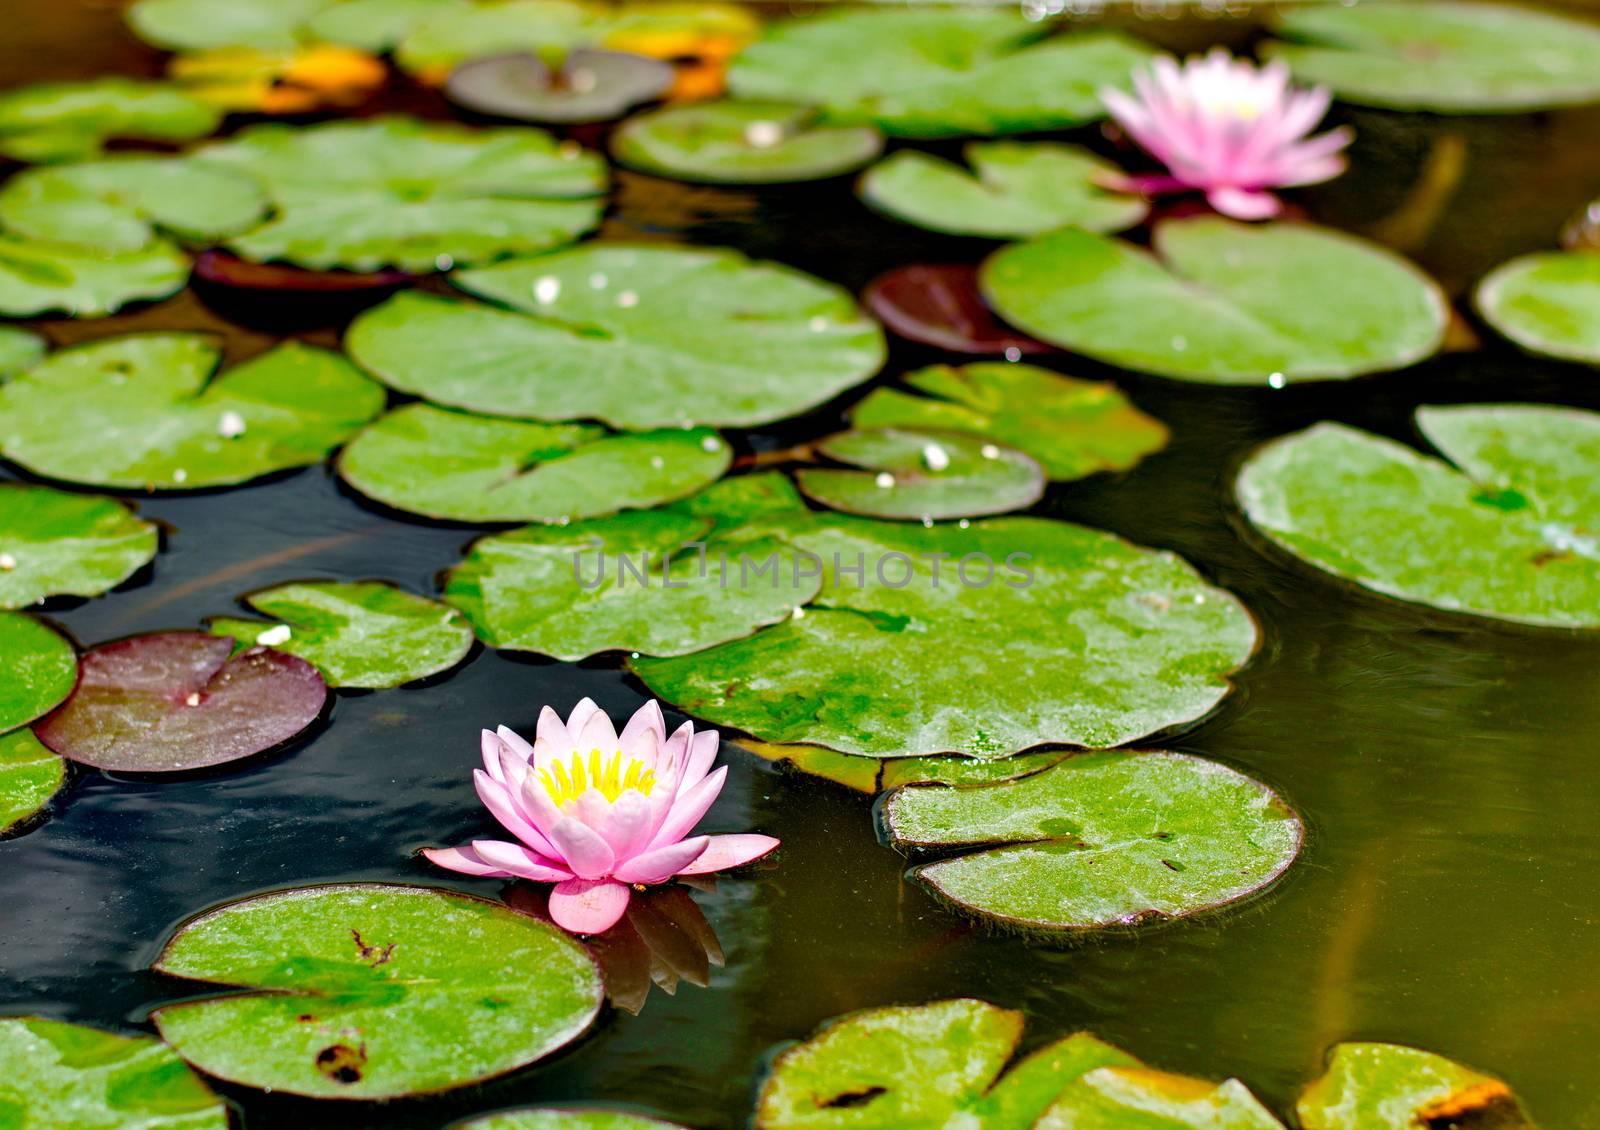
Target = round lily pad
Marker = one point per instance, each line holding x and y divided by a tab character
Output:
639	337
1370	1086
742	143
182	700
70	121
1014	190
552	1118
116	204
41	670
656	582
1442	55
467	468
1547	303
939	305
30	775
590	86
1071	427
377	26
1507	532
357	634
368	991
420	196
548	28
223	269
37	277
65	1075
1100	839
921	474
1221	302
18	349
1044	632
148	414
53	543
198	25
936	72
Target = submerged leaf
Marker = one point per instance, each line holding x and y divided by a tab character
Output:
41	670
37	277
466	468
148	413
172	701
53	543
70	121
1547	303
357	634
873	775
30	775
742	143
552	1118
590	86
223	269
921	475
369	991
1372	1086
939	305
1122	1098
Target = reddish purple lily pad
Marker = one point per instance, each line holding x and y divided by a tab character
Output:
181	700
939	305
223	269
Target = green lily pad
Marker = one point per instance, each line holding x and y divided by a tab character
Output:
742	143
30	775
921	474
1222	302
41	670
1015	190
555	1119
357	634
872	775
576	590
937	1064
936	72
1509	532
540	27
377	26
1548	304
37	277
59	1075
400	192
1137	1098
1047	633
1391	1087
1071	427
639	337
1100	839
148	413
200	25
369	991
18	349
1443	56
71	121
590	86
53	543
467	468
116	204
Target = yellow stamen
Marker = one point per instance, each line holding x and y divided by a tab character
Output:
610	776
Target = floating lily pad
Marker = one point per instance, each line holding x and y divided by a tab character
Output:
921	474
549	28
368	991
70	121
360	634
223	269
296	80
181	700
116	204
1046	633
873	775
1222	302
37	277
1442	55
742	143
421	196
468	468
1509	532
18	349
576	590
1392	1087
936	1064
1100	839
555	1119
41	670
640	337
376	25
57	544
939	305
198	25
30	775
148	414
1015	190
936	72
1072	427
65	1075
1548	304
1120	1098
590	86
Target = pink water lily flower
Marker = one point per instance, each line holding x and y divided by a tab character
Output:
1230	129
597	814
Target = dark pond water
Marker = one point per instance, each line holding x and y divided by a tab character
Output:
1447	897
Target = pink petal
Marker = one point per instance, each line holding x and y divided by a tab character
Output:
498	801
626	826
660	864
489	746
465	860
585	906
514	742
514	859
1243	205
687	810
583	849
551	735
644	733
586	709
724	852
703	749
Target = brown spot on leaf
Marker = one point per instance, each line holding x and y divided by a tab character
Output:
1545	556
342	1063
373	955
852	1098
1458	1109
305	1018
